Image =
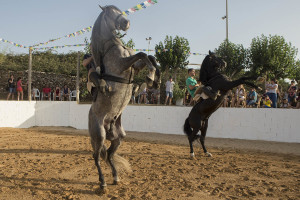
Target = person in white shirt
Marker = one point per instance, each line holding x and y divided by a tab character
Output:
272	92
169	90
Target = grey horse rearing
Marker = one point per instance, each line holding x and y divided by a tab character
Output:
118	66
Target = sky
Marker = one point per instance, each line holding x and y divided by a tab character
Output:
199	21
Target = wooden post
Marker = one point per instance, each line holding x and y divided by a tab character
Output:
77	78
29	74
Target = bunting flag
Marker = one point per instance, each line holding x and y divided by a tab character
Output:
84	30
13	43
137	50
139	7
59	47
80	32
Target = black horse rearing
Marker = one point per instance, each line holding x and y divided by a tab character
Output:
210	75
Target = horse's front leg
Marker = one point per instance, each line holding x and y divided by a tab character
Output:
139	65
202	136
129	61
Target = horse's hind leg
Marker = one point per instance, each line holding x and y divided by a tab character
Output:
111	151
120	133
97	134
192	138
202	136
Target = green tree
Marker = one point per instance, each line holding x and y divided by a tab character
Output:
173	54
272	55
295	72
235	55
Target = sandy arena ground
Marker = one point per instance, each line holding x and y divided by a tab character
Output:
56	163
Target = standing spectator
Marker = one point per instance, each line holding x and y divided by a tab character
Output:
47	93
11	87
19	88
191	83
292	94
57	93
252	97
66	93
169	90
272	92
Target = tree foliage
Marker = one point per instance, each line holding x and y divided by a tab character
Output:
235	55
273	56
173	54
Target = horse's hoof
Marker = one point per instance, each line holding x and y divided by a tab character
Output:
192	156
116	182
102	190
208	154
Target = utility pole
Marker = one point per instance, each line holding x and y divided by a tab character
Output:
227	20
29	73
77	78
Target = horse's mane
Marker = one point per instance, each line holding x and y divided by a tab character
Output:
204	71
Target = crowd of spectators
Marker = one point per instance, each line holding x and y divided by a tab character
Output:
238	97
271	98
46	93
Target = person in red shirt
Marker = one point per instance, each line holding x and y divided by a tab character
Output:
46	93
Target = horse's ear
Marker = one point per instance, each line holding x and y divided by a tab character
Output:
101	7
210	53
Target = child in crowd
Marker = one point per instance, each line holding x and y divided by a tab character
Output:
284	103
267	102
19	88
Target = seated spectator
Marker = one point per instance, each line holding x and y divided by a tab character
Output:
298	97
34	92
284	104
143	96
66	93
241	96
267	102
292	94
252	98
57	93
228	99
155	94
47	93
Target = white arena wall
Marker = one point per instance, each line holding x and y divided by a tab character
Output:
281	125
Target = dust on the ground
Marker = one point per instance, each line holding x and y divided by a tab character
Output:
56	163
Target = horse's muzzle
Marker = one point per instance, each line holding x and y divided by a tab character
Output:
125	24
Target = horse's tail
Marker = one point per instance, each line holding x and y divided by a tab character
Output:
187	127
120	163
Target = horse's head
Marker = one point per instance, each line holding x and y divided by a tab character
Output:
215	62
211	66
115	19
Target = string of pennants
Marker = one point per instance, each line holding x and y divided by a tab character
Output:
81	45
84	30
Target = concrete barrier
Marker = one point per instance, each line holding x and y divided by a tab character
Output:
281	125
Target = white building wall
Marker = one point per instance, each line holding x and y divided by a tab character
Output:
280	125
